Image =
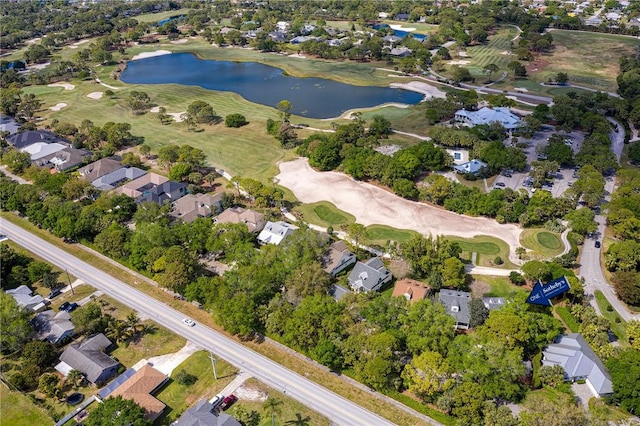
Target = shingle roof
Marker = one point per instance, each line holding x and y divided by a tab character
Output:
88	358
99	168
202	414
117	177
457	305
338	257
411	289
139	388
253	219
487	115
29	137
51	326
369	275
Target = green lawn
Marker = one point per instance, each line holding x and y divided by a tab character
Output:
155	17
179	397
286	412
493	52
324	213
17	410
380	234
157	341
618	325
541	243
565	315
499	286
487	248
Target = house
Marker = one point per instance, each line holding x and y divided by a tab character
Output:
473	166
400	52
88	358
65	159
205	414
140	388
53	327
307	29
369	276
255	221
579	361
275	232
99	168
154	188
401	17
278	37
412	290
392	39
192	206
338	258
117	177
338	292
24	297
282	26
493	303
456	304
40	150
593	21
301	39
8	124
487	115
459	156
30	137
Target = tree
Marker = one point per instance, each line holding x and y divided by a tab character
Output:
145	150
518	69
138	101
552	375
428	375
562	78
201	112
50	280
467	402
356	231
284	107
380	127
15	324
235	120
454	274
273	406
299	421
559	411
246	418
490	69
633	334
582	221
49	384
428	327
16	161
498	415
117	412
163	116
479	313
627	285
76	378
185	378
39	353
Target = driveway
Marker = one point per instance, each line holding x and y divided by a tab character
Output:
373	205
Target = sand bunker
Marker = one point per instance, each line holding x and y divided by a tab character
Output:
66	86
421	87
58	106
459	62
155	109
95	95
181	41
177	116
372	205
144	55
401	28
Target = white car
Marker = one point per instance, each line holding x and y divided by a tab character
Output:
189	322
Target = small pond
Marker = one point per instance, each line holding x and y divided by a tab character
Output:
263	84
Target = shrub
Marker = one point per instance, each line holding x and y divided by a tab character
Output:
235	120
498	261
185	378
516	278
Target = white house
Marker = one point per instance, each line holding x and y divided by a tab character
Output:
486	115
275	232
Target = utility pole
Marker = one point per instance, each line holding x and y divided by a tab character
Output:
69	279
213	364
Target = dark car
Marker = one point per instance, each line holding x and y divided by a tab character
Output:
598	244
54	293
228	401
71	307
64	306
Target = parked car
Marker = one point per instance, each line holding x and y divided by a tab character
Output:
54	293
228	401
598	244
217	400
72	307
500	184
189	322
64	306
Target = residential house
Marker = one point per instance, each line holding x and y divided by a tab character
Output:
473	167
338	258
493	303
88	358
8	124
412	290
460	156
154	188
255	221
40	150
456	304
593	21
192	206
579	362
307	29
65	159
117	177
282	26
24	297
401	17
400	52
30	137
278	37
54	327
338	292
486	115
140	388
275	232
205	414
99	168
369	276
302	39
392	39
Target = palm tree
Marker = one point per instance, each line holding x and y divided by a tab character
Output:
299	421
273	405
76	378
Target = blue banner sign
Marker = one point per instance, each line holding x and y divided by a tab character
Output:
542	294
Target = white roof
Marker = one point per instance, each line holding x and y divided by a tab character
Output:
42	149
275	232
487	115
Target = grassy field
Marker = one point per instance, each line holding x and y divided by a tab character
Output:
541	243
286	413
491	53
618	325
156	341
380	234
17	410
487	248
179	397
494	286
155	17
324	213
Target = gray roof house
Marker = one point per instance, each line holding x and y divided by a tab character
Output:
369	276
579	361
153	187
275	232
204	414
493	303
53	327
41	150
30	137
88	357
192	206
473	166
338	258
8	124
99	168
24	297
65	159
117	177
456	304
254	220
502	115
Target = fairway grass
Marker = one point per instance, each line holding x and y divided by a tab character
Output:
541	243
381	234
487	248
325	214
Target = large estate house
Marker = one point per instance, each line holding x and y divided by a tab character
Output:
501	115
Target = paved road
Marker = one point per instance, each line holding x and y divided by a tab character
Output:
336	408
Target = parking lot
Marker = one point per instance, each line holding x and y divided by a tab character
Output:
560	182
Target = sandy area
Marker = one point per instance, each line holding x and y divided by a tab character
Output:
505	52
401	28
155	109
249	393
167	363
181	41
177	116
421	87
78	43
372	205
95	95
297	55
66	86
58	107
144	55
464	62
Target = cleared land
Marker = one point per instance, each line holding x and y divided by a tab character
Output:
18	410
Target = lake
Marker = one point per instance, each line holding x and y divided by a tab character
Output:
262	84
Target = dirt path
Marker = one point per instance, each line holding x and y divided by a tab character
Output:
372	205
